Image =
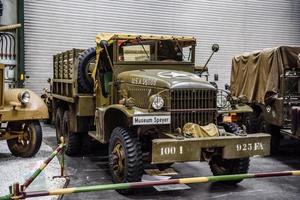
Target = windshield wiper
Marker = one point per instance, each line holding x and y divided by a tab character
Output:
140	42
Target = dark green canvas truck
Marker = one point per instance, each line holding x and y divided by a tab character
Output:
270	81
20	112
140	95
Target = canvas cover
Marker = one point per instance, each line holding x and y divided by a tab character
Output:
256	73
111	36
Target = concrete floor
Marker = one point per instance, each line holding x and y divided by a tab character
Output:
14	169
93	169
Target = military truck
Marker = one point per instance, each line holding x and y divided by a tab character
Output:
139	94
20	112
270	81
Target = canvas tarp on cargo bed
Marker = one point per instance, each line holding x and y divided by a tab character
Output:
256	73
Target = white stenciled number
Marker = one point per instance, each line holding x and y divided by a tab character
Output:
238	147
167	151
180	150
250	146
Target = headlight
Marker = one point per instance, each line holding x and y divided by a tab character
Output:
24	97
157	102
222	101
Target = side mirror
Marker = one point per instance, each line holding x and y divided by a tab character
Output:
215	48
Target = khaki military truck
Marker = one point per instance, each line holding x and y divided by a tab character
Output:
270	81
140	95
20	112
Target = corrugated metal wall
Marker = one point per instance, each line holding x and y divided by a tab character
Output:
238	26
9	15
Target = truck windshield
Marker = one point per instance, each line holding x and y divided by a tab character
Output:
153	50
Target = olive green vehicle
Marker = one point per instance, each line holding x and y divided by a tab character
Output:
140	95
269	79
20	112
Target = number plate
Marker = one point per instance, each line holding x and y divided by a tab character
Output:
189	149
249	147
150	120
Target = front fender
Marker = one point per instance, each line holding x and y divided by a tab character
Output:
129	112
107	118
13	110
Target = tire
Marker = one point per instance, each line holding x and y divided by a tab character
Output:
274	131
31	141
85	81
125	149
220	166
58	123
72	140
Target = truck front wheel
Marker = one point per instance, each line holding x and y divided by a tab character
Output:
125	158
72	140
29	143
220	166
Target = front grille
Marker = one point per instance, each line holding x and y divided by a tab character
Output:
192	105
139	94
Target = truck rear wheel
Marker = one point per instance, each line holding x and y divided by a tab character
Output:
72	140
86	63
29	143
221	166
125	158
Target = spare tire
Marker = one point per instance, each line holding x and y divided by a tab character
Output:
86	63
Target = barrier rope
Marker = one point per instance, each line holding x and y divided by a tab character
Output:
135	185
18	192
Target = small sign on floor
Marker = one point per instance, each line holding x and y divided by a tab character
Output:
157	175
157	172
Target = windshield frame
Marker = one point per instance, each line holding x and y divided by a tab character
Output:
155	61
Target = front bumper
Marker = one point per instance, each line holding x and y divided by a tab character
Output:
189	149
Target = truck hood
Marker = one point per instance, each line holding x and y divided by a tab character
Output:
169	79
